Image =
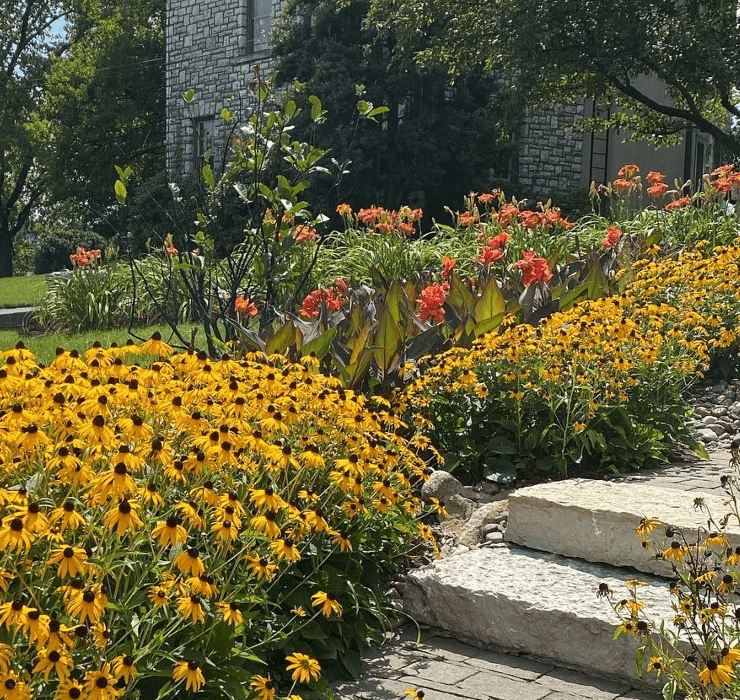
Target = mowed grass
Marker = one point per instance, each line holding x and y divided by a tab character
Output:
22	291
44	346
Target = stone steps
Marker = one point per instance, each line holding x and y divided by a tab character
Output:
596	520
536	593
519	600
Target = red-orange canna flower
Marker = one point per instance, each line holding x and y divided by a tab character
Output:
658	189
678	204
448	265
628	171
613	234
431	300
654	177
488	255
533	269
244	306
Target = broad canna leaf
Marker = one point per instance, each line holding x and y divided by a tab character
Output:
282	340
320	346
387	341
491	302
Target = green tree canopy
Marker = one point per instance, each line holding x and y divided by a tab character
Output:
105	100
555	51
437	138
26	44
73	102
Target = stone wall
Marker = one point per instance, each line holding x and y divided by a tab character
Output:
208	52
550	151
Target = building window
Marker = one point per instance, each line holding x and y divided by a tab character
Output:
259	25
205	131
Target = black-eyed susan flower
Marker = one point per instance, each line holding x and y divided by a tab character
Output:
101	685
123	518
158	595
88	604
13	688
675	552
14	537
414	694
655	665
285	548
170	532
327	603
260	567
123	666
66	517
230	613
264	687
190	672
71	561
303	668
13	613
71	689
715	674
266	524
341	539
203	585
646	526
57	661
189	562
192	607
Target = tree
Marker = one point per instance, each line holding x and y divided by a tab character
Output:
73	103
555	51
438	138
26	45
105	103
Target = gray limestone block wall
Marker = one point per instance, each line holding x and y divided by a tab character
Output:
550	150
208	51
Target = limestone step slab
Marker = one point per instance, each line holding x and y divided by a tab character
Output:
596	520
545	605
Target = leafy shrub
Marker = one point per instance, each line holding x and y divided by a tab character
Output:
696	654
53	248
195	523
599	385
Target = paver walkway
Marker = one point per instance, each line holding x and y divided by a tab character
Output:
446	669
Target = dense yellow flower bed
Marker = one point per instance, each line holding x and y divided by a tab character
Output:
172	527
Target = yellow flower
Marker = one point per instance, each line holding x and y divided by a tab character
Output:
264	687
230	612
189	562
327	602
101	685
646	526
123	667
190	672
304	668
170	532
716	674
71	561
57	660
190	606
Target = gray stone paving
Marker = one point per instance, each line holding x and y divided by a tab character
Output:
446	669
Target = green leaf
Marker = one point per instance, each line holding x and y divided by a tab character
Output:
320	346
120	192
491	302
226	115
208	176
316	111
291	109
490	324
282	340
499	469
188	96
502	445
350	661
387	341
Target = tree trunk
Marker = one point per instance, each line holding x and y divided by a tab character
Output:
6	251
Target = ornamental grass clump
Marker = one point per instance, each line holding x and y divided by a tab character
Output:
599	385
696	653
195	525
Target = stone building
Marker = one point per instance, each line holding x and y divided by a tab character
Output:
212	48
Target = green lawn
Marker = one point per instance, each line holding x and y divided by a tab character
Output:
22	291
44	346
